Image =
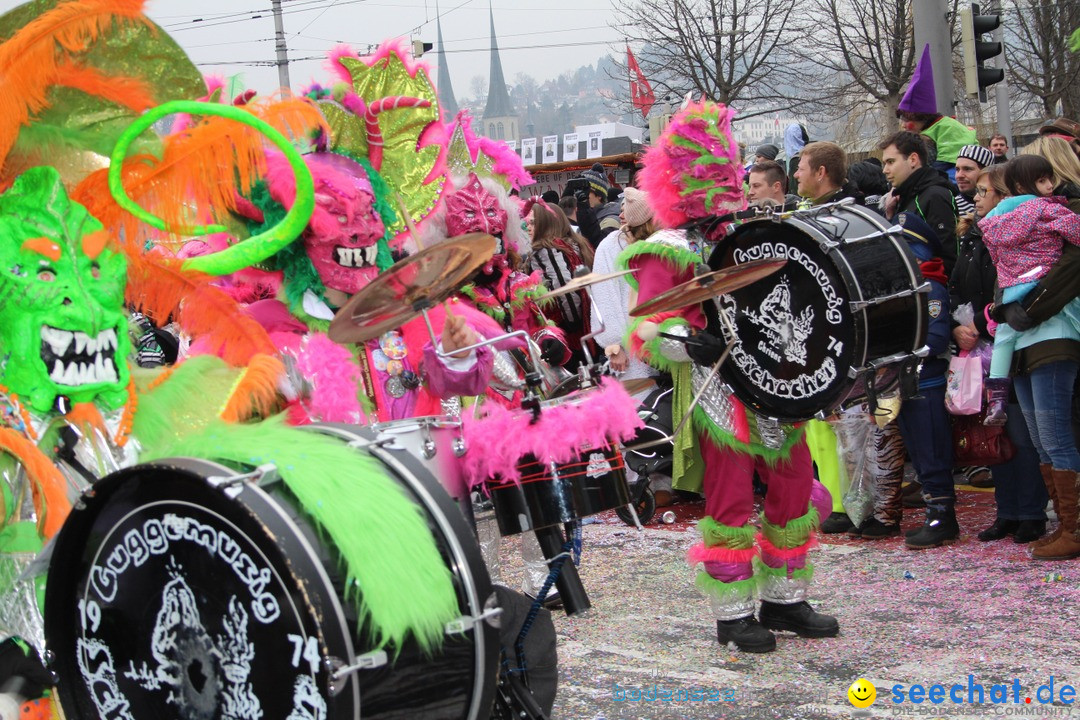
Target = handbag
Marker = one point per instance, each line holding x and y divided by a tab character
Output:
975	444
964	386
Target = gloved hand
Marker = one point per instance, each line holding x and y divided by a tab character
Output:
704	348
553	351
582	197
1017	317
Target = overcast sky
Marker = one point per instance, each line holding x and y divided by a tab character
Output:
543	39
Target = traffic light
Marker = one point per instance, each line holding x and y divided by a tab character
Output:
977	76
419	47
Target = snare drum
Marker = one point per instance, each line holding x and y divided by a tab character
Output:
187	589
841	318
436	441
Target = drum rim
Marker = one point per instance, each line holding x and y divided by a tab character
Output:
406	475
202	470
437	422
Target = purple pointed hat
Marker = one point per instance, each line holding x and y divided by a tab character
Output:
920	97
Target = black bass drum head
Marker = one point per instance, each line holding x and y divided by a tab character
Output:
796	336
168	597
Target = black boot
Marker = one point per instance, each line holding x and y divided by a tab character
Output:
1029	531
874	529
747	633
836	523
940	528
798	618
1001	528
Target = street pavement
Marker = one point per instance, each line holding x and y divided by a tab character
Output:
984	610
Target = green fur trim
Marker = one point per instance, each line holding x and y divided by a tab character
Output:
651	350
725	592
762	571
186	402
679	258
722	438
384	258
395	573
797	532
292	260
496	312
716	534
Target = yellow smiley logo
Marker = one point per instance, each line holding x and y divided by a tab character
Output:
862	693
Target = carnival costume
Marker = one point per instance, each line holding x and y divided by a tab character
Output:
692	174
68	385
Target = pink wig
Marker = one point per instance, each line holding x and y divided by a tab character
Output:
693	171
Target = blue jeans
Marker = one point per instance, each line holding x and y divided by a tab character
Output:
1045	396
924	425
1018	487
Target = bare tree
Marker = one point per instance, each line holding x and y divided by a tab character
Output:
860	56
1039	60
479	85
731	51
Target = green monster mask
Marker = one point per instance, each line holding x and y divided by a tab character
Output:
63	329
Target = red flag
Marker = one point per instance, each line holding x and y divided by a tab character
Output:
641	93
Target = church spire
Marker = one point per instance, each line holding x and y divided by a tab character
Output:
498	99
443	86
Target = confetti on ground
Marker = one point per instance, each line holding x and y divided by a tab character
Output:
983	609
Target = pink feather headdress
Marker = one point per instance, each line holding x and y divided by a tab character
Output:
693	170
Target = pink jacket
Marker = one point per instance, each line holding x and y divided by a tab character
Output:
1028	234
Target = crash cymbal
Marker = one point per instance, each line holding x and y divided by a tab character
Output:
418	282
584	281
709	285
636	385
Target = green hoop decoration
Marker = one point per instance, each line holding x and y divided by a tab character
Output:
257	247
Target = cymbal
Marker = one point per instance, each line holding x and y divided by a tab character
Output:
709	285
584	281
415	283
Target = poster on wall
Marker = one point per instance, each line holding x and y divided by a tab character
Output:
528	151
570	146
551	148
512	144
593	149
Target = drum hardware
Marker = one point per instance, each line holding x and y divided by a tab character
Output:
894	230
468	622
859	305
582	281
367	661
262	476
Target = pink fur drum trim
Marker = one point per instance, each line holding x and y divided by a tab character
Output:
500	437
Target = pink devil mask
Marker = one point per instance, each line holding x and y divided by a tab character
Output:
342	237
474	209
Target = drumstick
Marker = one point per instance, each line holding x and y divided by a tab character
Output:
409	222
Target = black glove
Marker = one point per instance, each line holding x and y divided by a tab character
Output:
704	348
1017	317
552	351
582	197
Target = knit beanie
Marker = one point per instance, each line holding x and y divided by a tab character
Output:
597	180
977	154
769	152
636	208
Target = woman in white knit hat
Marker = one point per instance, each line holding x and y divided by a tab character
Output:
611	300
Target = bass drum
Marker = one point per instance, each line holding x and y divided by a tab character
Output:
185	589
836	324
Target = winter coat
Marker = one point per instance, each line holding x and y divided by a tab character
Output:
1025	235
973	279
927	192
949	136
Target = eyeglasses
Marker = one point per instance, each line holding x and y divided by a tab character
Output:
981	191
